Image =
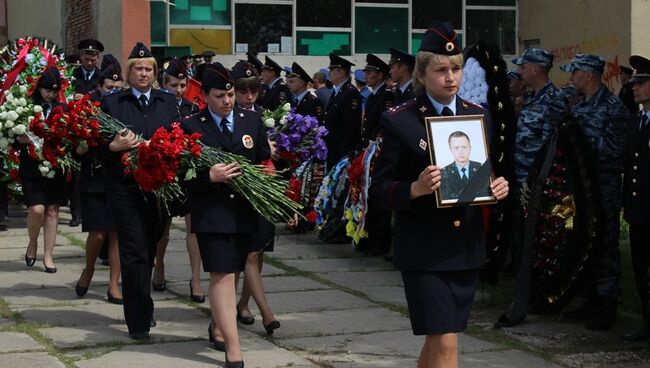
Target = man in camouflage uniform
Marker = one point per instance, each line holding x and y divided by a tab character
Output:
605	120
545	106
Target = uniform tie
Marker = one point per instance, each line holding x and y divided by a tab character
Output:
46	110
224	128
463	176
144	101
296	101
644	121
446	111
87	76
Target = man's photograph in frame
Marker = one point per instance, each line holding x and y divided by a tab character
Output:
459	148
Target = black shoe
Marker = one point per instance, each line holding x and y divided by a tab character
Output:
113	300
152	322
246	320
582	313
29	261
74	222
604	314
639	335
218	345
49	269
139	335
273	325
159	287
239	364
80	290
196	298
504	321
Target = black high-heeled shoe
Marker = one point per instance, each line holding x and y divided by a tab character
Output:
273	325
80	290
159	287
247	320
113	300
49	269
218	345
196	298
29	261
239	364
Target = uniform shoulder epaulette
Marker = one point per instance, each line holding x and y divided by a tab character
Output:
167	92
402	106
613	99
349	86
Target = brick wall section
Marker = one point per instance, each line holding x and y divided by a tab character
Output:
79	23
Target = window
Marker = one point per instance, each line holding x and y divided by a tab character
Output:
377	29
322	43
331	13
199	40
492	2
493	26
427	11
158	12
264	28
383	1
200	12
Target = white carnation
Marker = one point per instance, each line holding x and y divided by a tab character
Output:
10	98
1	128
19	129
4	143
50	175
286	107
22	88
44	170
19	110
30	119
3	115
38	108
12	116
283	121
22	102
269	122
9	124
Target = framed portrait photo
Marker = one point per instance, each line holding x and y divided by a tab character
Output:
458	145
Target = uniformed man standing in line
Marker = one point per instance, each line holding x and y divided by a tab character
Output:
197	59
545	105
303	100
85	76
626	94
380	98
605	121
320	87
362	86
278	93
343	112
401	72
187	59
636	192
207	56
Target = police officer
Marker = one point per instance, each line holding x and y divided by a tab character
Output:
605	120
401	72
175	81
143	109
636	195
380	98
278	93
517	90
187	60
110	77
197	60
439	280
86	75
302	99
343	112
207	56
362	86
544	105
626	94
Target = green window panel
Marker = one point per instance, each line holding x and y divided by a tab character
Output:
158	12
322	43
493	26
378	29
202	12
416	40
319	13
427	11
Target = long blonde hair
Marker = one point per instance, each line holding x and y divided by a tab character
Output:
129	65
424	58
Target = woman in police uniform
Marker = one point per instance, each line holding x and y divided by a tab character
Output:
223	220
437	250
143	108
43	196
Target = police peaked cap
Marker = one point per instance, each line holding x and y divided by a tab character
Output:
111	68
399	56
641	67
298	72
176	68
270	64
90	44
339	62
140	51
50	78
440	38
374	63
216	76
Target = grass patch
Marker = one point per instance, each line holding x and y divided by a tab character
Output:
73	239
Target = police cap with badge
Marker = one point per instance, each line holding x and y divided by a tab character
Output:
270	64
90	45
298	72
337	62
641	67
50	79
375	64
216	76
111	68
536	56
243	69
176	68
140	51
399	56
440	38
585	62
257	63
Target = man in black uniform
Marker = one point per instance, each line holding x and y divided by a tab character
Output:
343	112
626	94
143	109
401	72
636	192
278	93
303	100
207	56
110	77
380	98
85	76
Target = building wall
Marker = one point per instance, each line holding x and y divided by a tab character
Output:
79	23
640	33
36	17
136	25
109	25
568	27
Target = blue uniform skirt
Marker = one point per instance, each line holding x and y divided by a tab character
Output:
223	253
439	301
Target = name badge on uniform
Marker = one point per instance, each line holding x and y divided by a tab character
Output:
247	140
423	145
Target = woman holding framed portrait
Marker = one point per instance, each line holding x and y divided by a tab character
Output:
438	248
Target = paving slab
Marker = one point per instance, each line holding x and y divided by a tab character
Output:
605	359
295	248
504	359
341	322
340	264
315	300
54	295
16	341
22	360
357	280
386	294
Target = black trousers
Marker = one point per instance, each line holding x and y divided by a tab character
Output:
74	195
639	239
139	228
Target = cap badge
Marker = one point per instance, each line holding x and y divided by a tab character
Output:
141	53
241	114
181	75
450	46
228	86
115	77
202	118
248	72
247	140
